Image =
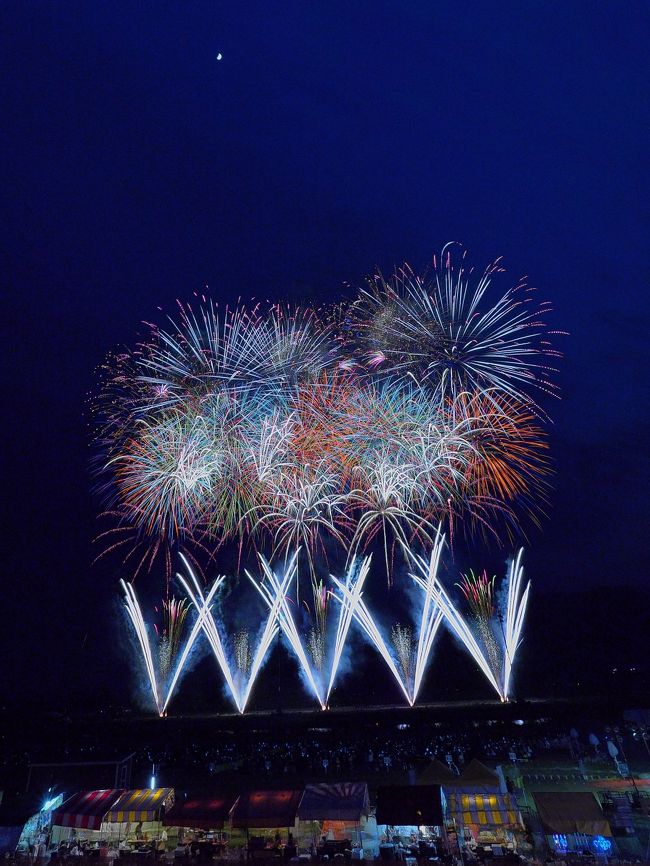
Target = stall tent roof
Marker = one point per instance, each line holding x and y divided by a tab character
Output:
86	810
571	812
484	810
436	773
206	813
478	775
343	801
142	804
410	805
259	809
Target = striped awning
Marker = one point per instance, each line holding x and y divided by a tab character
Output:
85	810
144	804
340	801
484	810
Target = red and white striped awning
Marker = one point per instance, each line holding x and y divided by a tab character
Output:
86	810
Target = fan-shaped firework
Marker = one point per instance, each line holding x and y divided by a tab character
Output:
243	654
478	590
171	633
317	637
278	429
402	638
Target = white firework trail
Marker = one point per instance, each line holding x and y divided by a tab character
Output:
135	614
354	582
431	616
517	603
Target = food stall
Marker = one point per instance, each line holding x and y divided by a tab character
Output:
112	818
485	821
135	819
81	816
272	816
411	822
37	827
485	817
332	817
199	822
573	823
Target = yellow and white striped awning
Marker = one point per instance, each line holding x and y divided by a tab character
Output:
485	810
144	804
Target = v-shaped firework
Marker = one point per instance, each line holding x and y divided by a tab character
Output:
353	606
354	581
497	669
352	598
275	592
204	623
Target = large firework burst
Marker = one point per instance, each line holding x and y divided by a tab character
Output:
439	327
280	429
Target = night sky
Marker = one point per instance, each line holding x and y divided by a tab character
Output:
329	139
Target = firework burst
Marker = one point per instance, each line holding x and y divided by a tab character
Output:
441	328
278	428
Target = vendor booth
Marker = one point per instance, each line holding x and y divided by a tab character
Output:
200	813
85	810
272	816
485	818
37	828
144	805
199	822
485	821
573	821
128	820
411	821
332	818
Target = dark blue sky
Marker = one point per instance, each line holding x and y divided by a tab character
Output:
331	137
